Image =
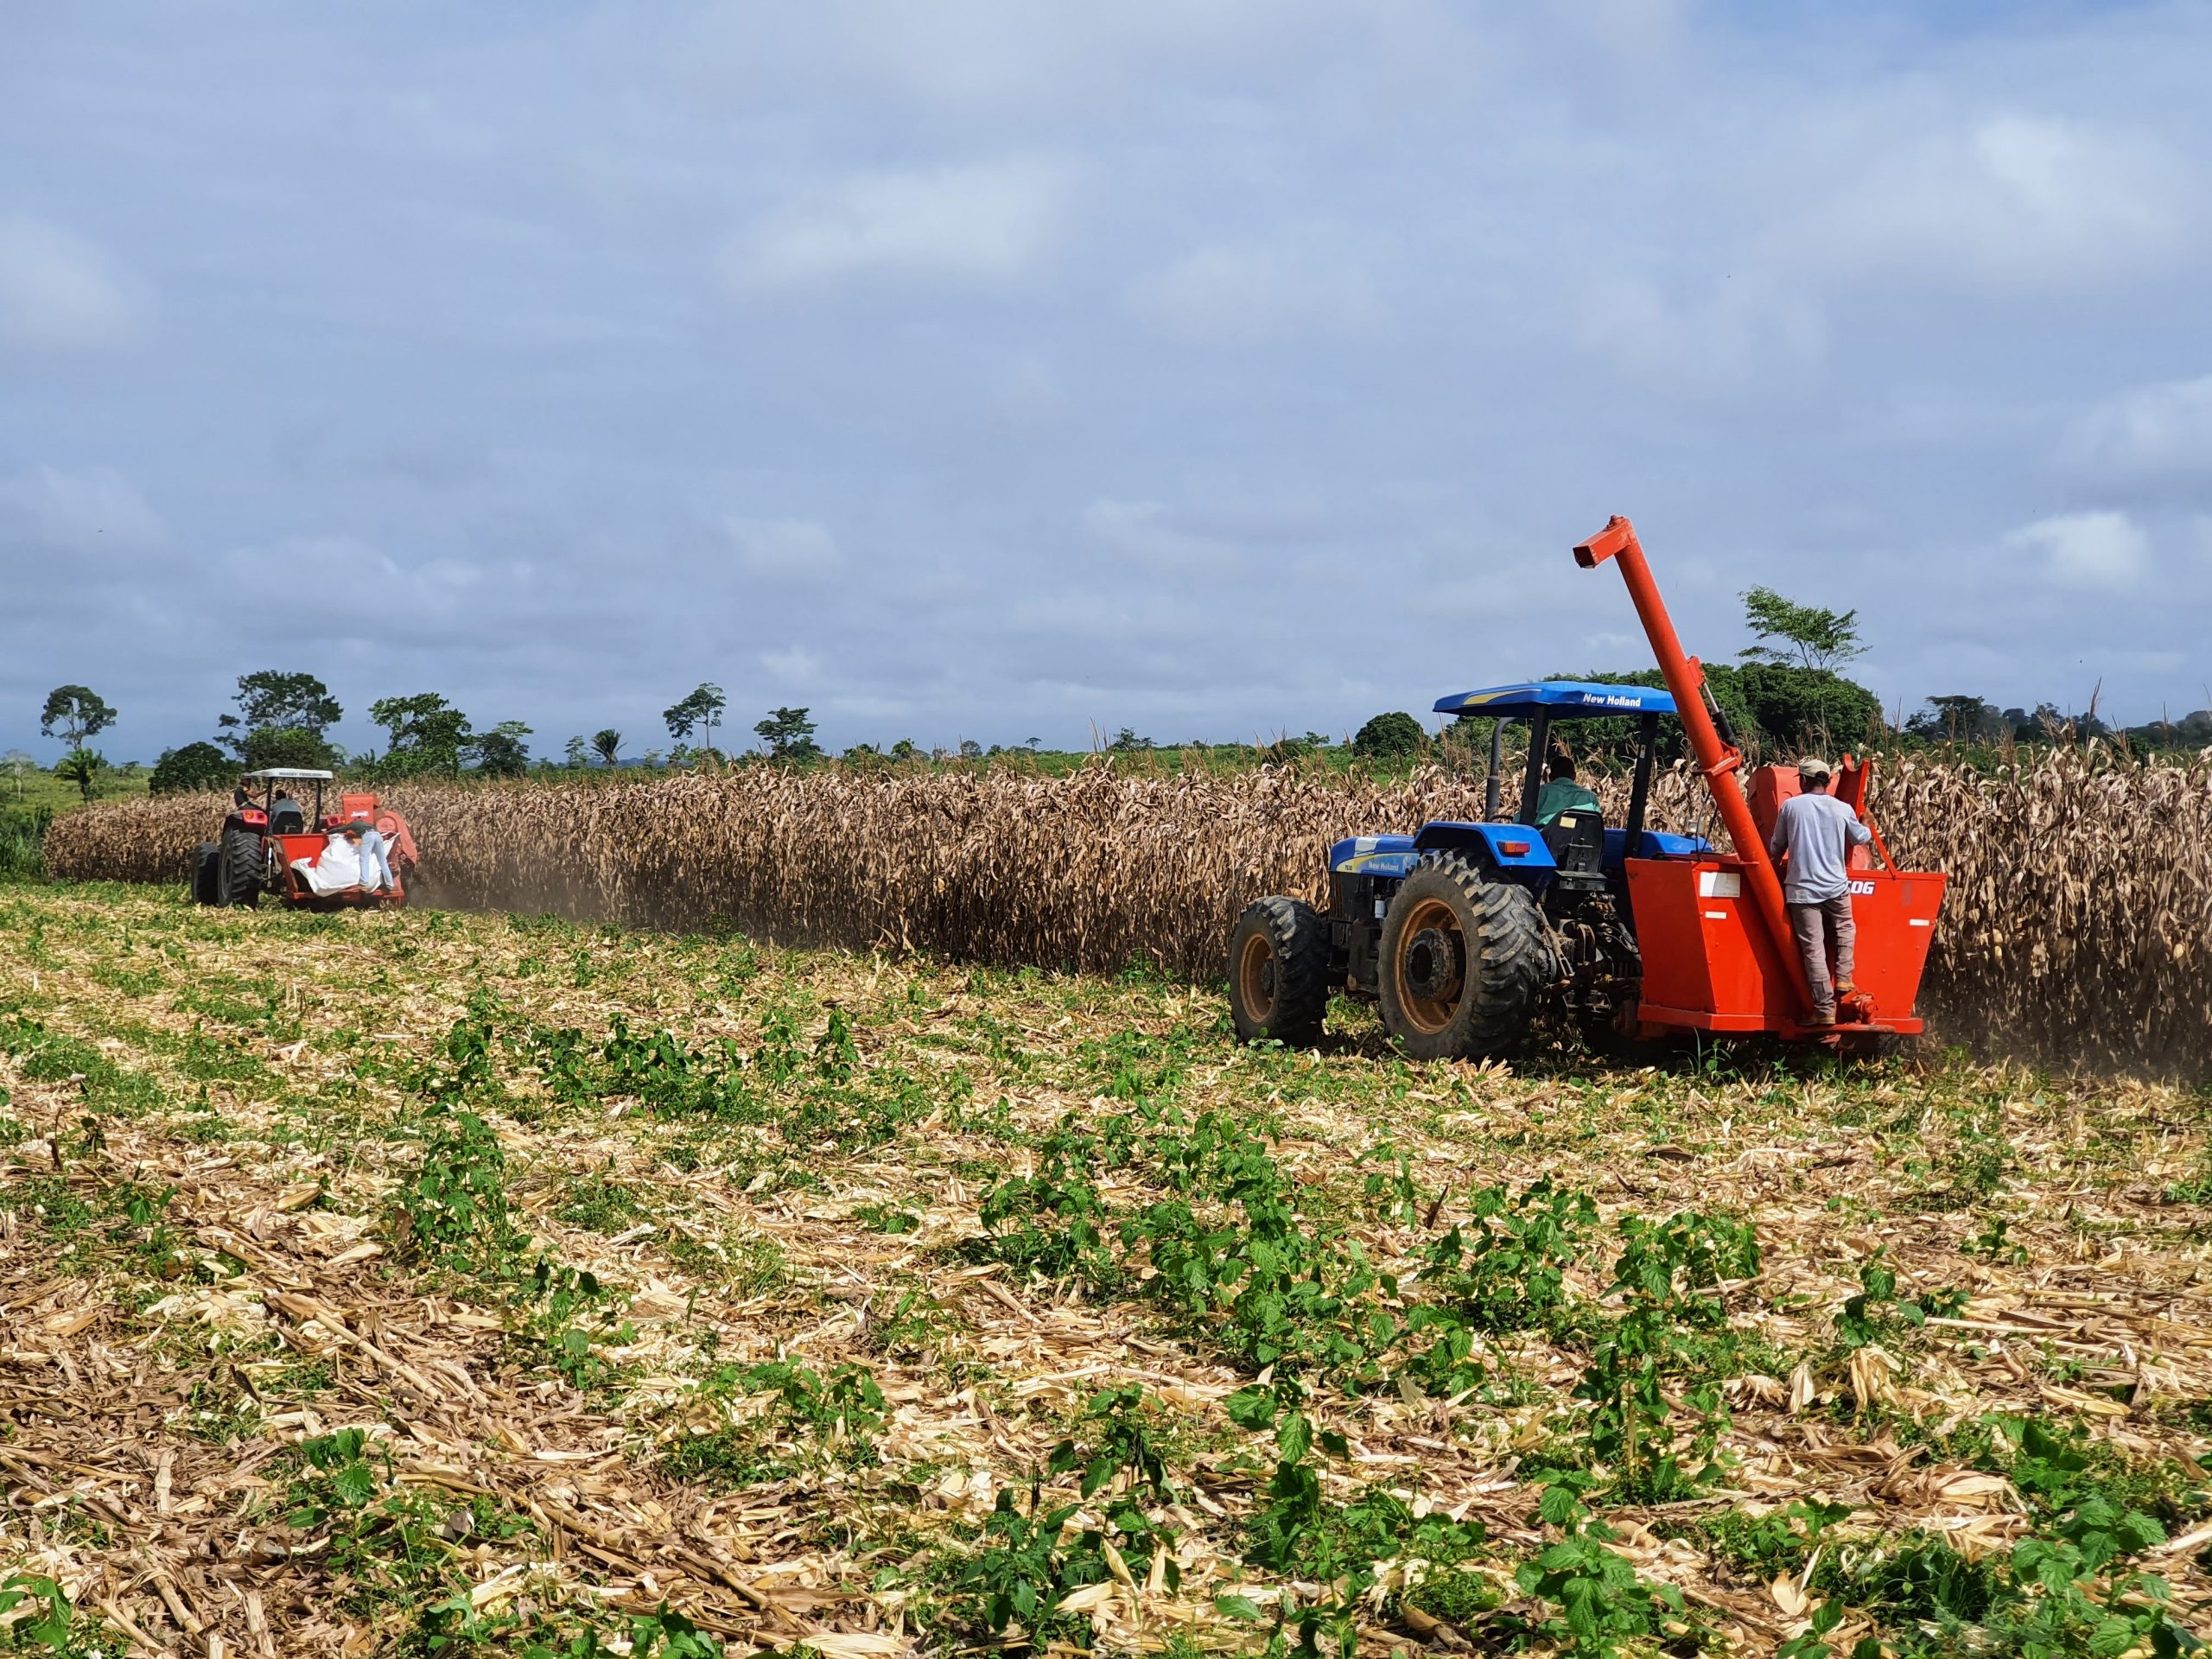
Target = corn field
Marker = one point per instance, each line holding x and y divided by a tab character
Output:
2076	928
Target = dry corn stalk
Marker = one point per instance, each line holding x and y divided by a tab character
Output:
2076	927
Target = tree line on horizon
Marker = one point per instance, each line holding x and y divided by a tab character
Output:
1788	692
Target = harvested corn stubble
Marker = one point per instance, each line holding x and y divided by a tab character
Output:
450	1283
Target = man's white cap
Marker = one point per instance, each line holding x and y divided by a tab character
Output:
1813	766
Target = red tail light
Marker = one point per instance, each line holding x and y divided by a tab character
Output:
1513	849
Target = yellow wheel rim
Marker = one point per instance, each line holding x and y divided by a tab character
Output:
1429	967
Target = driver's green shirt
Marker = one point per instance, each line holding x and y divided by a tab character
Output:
1562	795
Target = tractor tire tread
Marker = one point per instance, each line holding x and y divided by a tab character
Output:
1299	935
205	857
1518	961
242	863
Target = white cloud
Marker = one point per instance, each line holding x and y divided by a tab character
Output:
1148	533
2086	550
782	546
1212	537
2152	434
1237	292
58	292
1014	60
95	511
795	664
1746	328
2014	203
988	222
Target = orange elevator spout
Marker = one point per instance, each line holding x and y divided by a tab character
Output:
1717	761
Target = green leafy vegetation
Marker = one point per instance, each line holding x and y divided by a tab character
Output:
931	1281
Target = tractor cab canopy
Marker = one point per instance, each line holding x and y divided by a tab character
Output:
1540	702
1560	700
295	820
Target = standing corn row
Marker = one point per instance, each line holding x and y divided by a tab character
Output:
2080	908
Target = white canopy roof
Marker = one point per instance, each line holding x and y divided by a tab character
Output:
301	773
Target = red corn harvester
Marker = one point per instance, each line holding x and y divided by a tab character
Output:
1718	957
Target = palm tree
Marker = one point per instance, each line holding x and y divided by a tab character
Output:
608	743
82	767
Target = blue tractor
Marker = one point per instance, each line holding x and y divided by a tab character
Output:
1464	932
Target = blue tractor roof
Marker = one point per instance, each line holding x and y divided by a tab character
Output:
1582	698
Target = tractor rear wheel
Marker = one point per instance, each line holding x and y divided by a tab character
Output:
1279	971
238	872
1464	962
206	872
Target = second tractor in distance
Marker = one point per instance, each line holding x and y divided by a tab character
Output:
1463	933
271	836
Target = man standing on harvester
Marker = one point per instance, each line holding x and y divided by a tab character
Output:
1816	832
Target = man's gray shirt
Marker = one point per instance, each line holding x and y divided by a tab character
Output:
1817	831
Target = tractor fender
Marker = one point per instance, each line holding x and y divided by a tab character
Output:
1510	848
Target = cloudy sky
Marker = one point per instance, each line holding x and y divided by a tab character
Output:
996	370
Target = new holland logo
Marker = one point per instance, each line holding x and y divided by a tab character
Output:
1864	889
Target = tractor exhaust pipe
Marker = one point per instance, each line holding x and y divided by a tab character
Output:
1718	760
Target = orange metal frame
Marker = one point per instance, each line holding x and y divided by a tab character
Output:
1714	961
293	890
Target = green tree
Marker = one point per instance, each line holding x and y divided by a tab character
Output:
576	753
281	721
79	711
1126	741
16	766
788	735
501	752
1390	737
607	745
1798	707
81	767
1812	636
196	767
428	733
701	709
288	746
2191	731
1960	719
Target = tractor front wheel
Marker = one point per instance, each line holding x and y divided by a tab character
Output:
238	872
1462	964
1279	972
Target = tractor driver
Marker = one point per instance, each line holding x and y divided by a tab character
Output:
1561	794
1817	832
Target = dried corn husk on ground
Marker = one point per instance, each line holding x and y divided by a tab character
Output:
157	1386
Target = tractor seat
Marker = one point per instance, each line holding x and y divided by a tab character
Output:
288	820
1577	840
